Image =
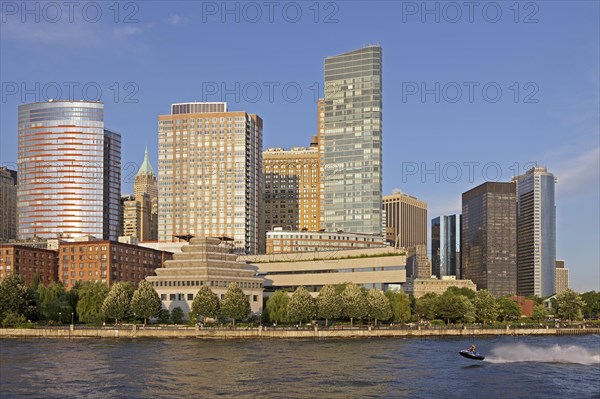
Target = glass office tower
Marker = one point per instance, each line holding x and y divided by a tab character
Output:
489	237
536	240
352	142
445	246
69	171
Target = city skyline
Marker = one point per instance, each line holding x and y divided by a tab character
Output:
471	135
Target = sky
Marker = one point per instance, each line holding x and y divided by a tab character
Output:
472	91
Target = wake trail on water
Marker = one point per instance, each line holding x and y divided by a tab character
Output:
553	354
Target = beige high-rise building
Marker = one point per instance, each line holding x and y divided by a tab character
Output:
146	185
561	278
8	204
407	218
291	194
137	221
209	169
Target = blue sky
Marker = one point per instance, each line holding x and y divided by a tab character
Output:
469	94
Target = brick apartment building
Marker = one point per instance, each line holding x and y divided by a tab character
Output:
107	261
28	261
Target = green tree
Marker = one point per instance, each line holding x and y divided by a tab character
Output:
508	309
426	306
329	304
91	298
177	315
117	304
486	308
354	303
235	304
16	297
379	305
591	310
302	306
570	305
454	308
164	316
469	293
145	302
206	304
400	305
13	319
540	313
277	307
52	302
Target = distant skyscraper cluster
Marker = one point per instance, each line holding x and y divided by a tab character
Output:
215	180
508	242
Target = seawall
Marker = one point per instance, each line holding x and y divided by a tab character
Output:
278	333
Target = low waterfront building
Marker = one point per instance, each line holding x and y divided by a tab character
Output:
421	286
107	262
28	261
369	267
281	242
205	262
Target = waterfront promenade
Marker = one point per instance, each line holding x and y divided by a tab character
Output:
274	333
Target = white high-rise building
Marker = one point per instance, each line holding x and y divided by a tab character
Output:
536	233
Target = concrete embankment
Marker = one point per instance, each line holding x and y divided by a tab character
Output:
243	333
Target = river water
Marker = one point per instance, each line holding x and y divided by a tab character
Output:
515	367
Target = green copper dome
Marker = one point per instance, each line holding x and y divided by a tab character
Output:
146	168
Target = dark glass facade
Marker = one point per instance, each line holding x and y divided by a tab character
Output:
445	246
489	237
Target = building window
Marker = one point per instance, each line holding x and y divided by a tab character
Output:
190	297
171	297
163	297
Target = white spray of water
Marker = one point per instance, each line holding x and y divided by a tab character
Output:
552	354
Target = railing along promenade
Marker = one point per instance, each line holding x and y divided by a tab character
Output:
137	331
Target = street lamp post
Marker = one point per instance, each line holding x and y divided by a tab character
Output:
72	318
60	317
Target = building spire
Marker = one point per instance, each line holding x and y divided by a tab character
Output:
146	168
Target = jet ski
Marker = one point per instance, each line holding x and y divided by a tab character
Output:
471	355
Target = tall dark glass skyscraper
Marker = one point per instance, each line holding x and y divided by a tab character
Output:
352	142
489	237
536	240
445	246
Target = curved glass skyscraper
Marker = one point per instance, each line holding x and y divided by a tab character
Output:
69	171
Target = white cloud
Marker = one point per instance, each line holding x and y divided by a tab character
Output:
126	31
579	175
176	19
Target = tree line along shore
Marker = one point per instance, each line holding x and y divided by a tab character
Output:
345	305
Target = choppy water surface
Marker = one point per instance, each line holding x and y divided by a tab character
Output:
521	367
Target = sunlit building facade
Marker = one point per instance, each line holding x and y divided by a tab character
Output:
291	188
210	176
69	181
